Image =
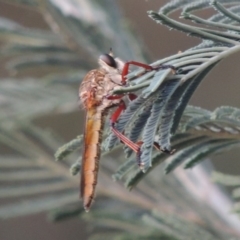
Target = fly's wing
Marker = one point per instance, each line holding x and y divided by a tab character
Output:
93	138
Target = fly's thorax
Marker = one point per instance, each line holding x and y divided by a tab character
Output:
106	90
116	79
91	88
96	86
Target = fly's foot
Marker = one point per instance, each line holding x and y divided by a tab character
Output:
168	151
174	69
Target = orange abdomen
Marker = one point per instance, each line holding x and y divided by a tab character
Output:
91	155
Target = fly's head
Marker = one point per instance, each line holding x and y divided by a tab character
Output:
110	64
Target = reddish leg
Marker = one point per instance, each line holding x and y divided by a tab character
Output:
132	96
114	97
134	146
118	111
126	68
143	65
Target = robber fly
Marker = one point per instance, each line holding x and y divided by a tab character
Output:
95	95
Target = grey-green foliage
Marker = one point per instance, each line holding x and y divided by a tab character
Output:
133	224
232	181
159	114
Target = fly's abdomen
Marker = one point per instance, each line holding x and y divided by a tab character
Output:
91	155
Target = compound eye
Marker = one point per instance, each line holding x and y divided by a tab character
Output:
109	60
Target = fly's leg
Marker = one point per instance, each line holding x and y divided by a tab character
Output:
131	97
125	70
136	147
